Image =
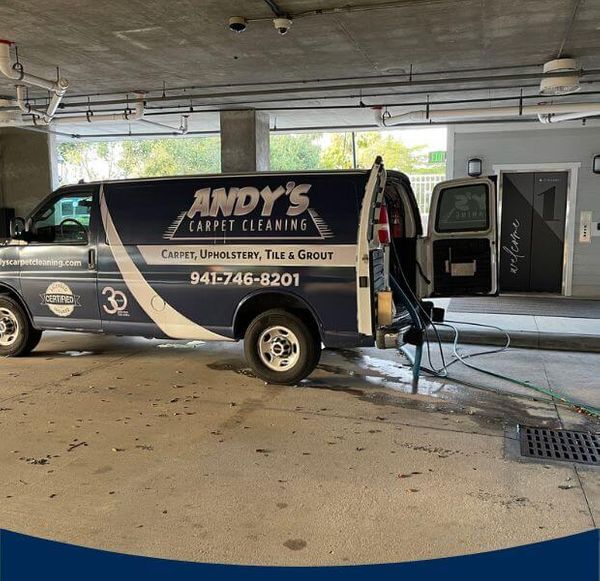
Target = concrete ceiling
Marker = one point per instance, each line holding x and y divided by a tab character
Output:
109	48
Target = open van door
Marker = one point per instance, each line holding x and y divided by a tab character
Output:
460	250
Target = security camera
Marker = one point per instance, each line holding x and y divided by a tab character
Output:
237	24
282	25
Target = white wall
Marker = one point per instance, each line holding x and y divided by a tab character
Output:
540	144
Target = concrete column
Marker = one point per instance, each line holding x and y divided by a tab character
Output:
244	141
27	168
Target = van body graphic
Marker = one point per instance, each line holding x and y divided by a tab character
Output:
246	212
286	262
60	299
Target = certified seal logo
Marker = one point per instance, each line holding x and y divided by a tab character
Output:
59	298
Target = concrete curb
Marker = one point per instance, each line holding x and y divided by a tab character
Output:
525	339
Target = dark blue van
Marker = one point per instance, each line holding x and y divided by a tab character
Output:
285	261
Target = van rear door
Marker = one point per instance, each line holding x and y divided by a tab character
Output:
460	250
370	260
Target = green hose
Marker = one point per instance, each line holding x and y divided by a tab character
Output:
578	406
555	395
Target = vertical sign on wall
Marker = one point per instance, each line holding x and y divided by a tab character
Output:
532	231
515	241
548	231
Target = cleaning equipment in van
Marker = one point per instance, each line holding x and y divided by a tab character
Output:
419	331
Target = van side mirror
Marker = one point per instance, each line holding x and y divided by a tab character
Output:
17	228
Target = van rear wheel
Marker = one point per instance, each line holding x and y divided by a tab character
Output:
281	348
17	336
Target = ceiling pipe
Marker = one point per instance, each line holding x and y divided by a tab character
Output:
181	130
562	111
484	82
553	118
305	81
358	97
226	106
90	117
27	109
16	72
209	133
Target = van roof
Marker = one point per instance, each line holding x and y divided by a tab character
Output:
226	175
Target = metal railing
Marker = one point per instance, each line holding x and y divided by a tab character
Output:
423	185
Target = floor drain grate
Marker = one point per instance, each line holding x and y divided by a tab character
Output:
565	445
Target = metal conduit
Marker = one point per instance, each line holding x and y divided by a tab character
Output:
303	90
361	95
173	110
200	109
309	81
310	129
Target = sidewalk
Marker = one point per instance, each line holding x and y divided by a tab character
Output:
528	331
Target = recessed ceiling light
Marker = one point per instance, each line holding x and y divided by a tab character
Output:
237	24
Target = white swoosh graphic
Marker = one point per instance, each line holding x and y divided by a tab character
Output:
170	321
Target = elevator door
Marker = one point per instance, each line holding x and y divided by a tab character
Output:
532	234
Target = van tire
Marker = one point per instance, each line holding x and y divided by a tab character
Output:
17	335
281	348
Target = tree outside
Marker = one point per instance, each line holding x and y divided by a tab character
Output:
89	161
298	151
289	152
370	144
164	157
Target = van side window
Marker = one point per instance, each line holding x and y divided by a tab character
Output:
463	209
64	220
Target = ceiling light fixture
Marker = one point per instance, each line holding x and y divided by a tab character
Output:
237	24
564	79
474	167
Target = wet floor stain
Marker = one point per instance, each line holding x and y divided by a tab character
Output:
295	544
315	384
386	382
103	470
234	365
387	373
188	345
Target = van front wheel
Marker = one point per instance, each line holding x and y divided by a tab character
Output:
17	336
281	348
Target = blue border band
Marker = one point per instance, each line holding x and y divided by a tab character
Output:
24	558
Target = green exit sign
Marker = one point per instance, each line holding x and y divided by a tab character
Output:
437	157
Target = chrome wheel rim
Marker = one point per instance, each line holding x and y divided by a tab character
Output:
279	348
9	327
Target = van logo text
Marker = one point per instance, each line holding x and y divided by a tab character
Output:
243	201
247	213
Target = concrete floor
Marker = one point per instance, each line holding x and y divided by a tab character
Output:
175	450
